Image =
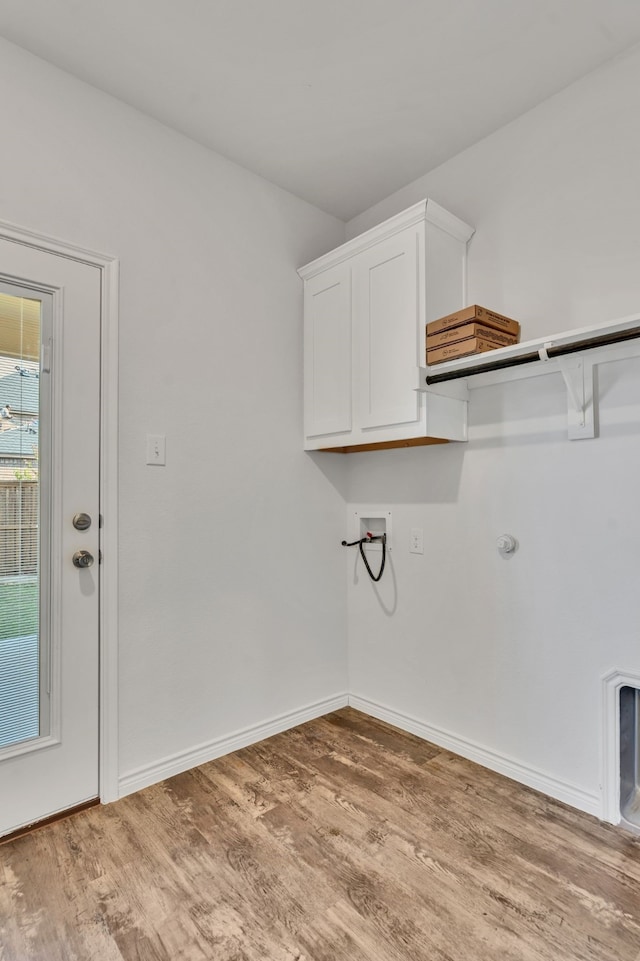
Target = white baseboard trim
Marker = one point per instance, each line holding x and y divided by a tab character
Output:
560	790
149	774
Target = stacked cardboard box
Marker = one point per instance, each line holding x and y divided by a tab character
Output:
472	330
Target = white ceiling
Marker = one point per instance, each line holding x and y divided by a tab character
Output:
339	101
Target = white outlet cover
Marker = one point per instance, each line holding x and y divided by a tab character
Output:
156	450
416	541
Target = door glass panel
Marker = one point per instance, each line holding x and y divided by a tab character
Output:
23	653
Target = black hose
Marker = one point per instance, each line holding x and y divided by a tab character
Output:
368	540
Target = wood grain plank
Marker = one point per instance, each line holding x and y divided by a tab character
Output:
344	838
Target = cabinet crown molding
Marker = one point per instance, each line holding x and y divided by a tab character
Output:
425	211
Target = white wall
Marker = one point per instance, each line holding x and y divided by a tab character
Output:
508	654
233	609
233	599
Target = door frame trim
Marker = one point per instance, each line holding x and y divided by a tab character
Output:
109	267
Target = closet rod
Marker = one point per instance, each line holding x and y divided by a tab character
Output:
601	340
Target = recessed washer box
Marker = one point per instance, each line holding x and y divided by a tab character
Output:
374	520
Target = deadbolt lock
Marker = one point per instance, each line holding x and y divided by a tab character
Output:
81	522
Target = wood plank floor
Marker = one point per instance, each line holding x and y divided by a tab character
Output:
341	839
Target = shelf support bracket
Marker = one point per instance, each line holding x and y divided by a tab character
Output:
579	381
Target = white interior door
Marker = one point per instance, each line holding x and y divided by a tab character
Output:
49	607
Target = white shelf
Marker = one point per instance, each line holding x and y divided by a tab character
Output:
573	353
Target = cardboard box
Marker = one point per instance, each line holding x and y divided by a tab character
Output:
473	345
472	314
452	336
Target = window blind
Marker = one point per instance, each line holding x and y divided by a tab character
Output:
19	518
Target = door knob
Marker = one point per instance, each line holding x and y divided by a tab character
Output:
82	559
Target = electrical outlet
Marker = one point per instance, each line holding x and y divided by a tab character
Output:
156	449
416	545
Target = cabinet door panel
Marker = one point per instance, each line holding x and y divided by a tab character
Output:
327	339
387	308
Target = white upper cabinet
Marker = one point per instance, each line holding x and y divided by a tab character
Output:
327	357
385	303
366	306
